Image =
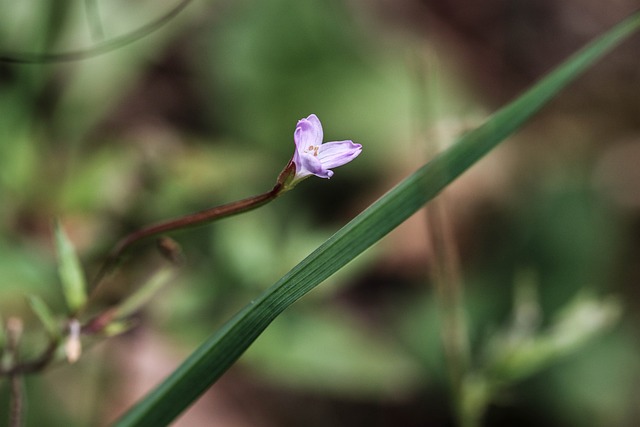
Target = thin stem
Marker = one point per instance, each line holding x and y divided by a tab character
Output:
446	271
183	222
16	406
35	365
447	279
98	48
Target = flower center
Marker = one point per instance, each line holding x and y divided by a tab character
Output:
312	149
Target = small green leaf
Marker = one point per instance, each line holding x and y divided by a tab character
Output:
512	356
41	309
585	317
70	271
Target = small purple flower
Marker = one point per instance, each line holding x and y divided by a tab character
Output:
312	157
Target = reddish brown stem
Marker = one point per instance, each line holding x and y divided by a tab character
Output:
32	366
187	221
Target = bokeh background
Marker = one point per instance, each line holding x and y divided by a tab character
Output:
202	112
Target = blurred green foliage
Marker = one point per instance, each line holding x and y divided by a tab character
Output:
201	113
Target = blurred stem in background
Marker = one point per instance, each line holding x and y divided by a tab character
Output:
55	21
445	268
16	404
447	278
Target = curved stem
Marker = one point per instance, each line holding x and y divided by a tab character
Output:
183	222
35	365
98	48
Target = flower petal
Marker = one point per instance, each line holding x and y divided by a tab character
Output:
310	165
308	133
337	153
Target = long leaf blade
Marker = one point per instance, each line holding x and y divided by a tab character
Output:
222	349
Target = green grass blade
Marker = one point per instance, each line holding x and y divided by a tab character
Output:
221	350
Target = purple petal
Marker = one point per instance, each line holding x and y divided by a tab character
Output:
310	165
338	153
308	133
